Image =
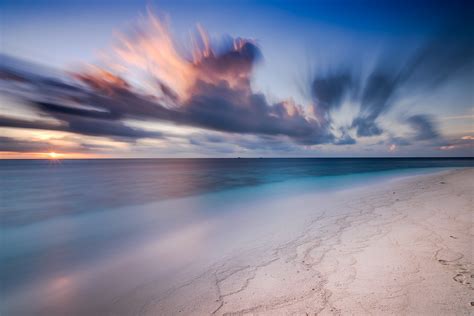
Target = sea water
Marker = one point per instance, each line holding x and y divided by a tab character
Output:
70	227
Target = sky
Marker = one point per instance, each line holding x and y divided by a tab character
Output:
126	79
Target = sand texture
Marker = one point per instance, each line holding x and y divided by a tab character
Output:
402	248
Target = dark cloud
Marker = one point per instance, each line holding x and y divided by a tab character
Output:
399	141
219	107
449	54
33	124
98	106
463	146
8	144
424	127
345	140
432	65
204	139
210	90
329	90
17	145
216	94
264	144
82	125
366	126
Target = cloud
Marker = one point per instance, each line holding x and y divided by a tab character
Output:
148	76
244	144
399	141
62	144
447	55
329	90
219	107
211	90
443	58
8	144
439	60
463	146
424	127
345	140
100	109
76	123
366	126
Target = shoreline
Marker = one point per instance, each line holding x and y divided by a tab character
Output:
407	251
391	246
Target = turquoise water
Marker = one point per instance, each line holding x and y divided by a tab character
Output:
69	218
35	190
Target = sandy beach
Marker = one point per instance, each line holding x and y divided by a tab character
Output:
213	157
402	248
398	244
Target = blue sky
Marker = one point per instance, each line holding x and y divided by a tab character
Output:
309	49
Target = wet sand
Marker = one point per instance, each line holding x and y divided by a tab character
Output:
401	248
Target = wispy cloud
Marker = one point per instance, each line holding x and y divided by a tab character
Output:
148	76
209	89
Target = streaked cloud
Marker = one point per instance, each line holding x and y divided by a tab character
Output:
150	89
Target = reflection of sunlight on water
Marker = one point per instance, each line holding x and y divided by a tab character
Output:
58	292
151	262
154	266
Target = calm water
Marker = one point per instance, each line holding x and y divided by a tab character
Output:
75	217
34	190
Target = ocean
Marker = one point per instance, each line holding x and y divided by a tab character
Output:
66	225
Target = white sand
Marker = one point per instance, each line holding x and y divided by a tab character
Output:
402	248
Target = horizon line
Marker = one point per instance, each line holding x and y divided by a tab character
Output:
335	157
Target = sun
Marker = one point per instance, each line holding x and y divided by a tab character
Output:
52	155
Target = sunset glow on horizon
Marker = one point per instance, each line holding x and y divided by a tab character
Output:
211	157
168	86
50	156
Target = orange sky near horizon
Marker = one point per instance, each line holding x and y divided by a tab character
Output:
49	155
